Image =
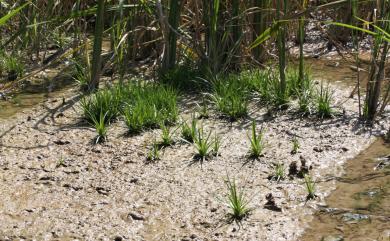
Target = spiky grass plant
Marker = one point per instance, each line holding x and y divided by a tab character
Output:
295	146
141	115
189	131
324	100
203	109
203	144
166	135
147	106
236	201
230	96
310	187
103	101
154	152
216	144
257	142
100	127
279	172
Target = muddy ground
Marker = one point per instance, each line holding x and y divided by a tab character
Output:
56	185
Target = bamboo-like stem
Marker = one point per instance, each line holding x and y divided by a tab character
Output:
97	46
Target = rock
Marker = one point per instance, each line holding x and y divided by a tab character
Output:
293	169
136	216
118	238
318	149
213	210
61	142
354	217
333	238
102	190
193	236
271	204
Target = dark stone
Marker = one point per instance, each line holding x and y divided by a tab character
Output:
118	238
61	142
271	204
293	169
136	216
318	149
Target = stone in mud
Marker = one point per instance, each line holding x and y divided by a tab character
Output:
318	149
354	217
293	169
136	216
333	238
271	204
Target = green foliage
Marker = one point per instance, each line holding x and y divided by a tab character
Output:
105	101
12	65
184	77
236	201
154	152
101	128
324	99
203	109
279	172
295	146
166	135
230	95
203	144
310	187
216	144
189	131
257	142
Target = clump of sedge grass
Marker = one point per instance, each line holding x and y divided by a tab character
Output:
166	135
203	109
103	101
203	144
230	96
236	201
257	142
189	131
295	146
154	152
324	100
216	144
310	187
101	128
279	172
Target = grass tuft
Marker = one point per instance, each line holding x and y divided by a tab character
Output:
189	131
230	96
324	99
310	187
203	144
257	142
237	201
295	146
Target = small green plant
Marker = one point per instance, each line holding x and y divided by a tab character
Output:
203	144
154	152
236	201
310	187
60	162
279	172
13	66
203	109
230	96
101	128
295	146
324	100
189	132
257	142
166	135
104	101
216	144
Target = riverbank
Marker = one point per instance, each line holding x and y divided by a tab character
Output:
56	184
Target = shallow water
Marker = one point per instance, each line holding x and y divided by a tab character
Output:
35	92
359	208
